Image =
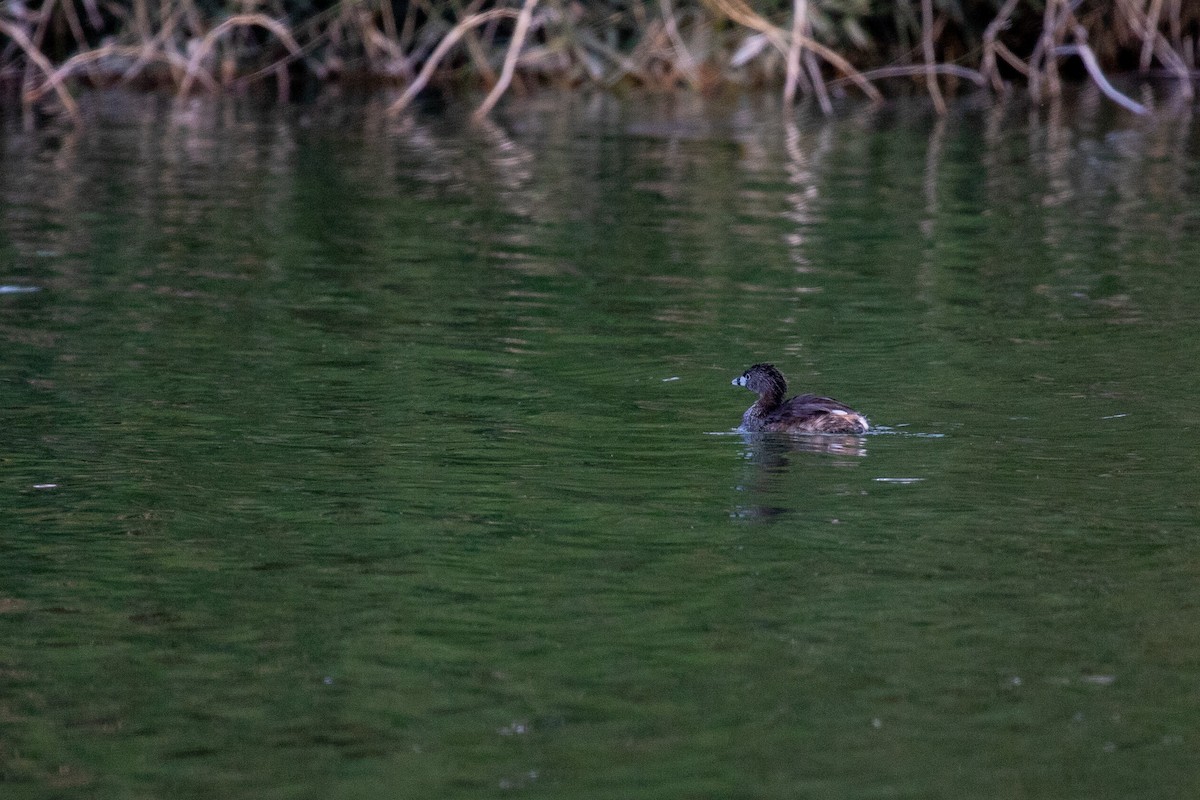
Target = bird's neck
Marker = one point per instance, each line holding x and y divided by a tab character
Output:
766	403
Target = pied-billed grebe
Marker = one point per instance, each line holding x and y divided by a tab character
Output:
804	413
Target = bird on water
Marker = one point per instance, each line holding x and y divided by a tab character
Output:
805	413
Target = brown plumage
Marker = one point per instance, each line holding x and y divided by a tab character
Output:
805	413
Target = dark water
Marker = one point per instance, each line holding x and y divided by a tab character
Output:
346	458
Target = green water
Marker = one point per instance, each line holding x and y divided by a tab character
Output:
347	458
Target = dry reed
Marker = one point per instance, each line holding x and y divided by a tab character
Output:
812	48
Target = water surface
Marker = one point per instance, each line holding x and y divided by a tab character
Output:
355	458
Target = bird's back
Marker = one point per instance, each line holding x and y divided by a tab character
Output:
809	413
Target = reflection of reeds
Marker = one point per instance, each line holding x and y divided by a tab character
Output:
810	47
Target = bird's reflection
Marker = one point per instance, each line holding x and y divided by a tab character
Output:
768	455
770	451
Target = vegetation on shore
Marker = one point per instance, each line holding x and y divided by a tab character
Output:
805	48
